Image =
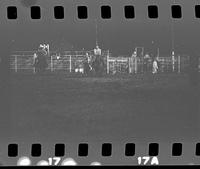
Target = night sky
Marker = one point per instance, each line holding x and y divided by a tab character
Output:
118	34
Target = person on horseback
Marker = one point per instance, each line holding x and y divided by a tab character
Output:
98	62
40	62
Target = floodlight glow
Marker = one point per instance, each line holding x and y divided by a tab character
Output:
95	163
69	161
24	161
43	163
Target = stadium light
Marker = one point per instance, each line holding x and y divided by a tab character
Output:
69	162
24	161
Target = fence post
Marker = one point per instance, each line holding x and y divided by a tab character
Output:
70	63
108	63
33	64
179	63
34	56
51	63
135	64
16	63
173	61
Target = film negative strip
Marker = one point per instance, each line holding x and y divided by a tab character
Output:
99	82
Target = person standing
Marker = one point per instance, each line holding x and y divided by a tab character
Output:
155	66
146	62
34	61
86	67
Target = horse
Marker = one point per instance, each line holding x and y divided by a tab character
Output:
40	63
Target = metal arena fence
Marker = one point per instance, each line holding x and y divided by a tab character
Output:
68	61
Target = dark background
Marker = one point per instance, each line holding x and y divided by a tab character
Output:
117	34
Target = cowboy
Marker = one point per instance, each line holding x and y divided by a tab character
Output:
98	64
40	62
97	50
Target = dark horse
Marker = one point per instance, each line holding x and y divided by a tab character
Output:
40	63
98	65
87	69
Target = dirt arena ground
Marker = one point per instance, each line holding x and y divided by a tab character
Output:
141	108
115	107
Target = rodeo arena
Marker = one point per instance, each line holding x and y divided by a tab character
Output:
98	95
97	62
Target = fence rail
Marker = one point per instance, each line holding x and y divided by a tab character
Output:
68	60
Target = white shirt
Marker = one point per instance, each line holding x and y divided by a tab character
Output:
155	64
97	51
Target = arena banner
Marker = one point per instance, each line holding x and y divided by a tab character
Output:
99	82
